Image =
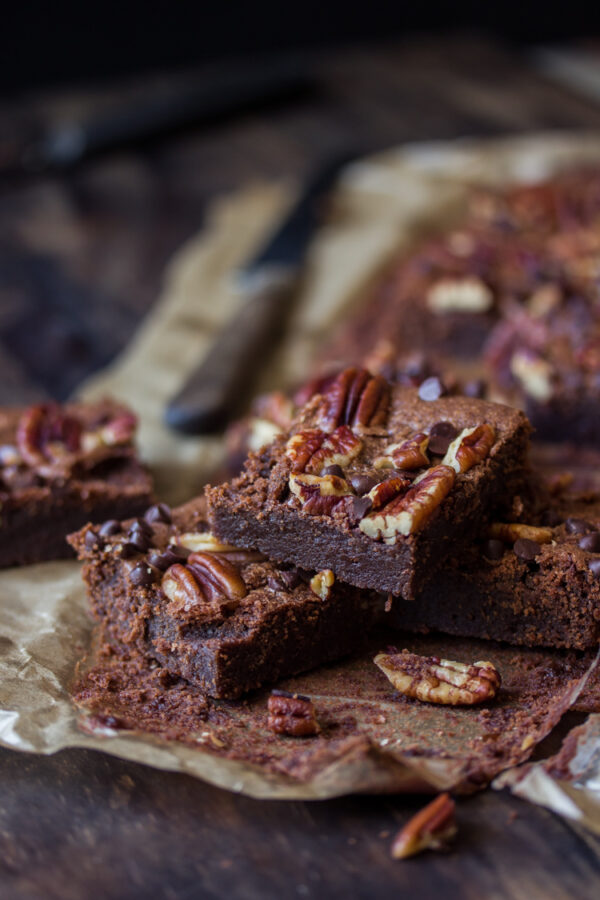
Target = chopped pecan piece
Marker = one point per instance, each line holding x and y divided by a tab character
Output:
46	434
321	583
509	532
203	542
319	494
292	715
535	375
387	490
431	829
203	580
338	449
467	294
354	398
410	511
442	681
409	454
302	446
470	448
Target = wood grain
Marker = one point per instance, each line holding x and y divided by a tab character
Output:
81	260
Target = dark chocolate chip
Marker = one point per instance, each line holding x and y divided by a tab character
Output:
126	550
526	549
143	526
362	484
274	583
142	575
594	567
578	526
290	578
590	542
360	507
333	470
163	559
440	437
474	389
92	541
493	549
109	528
160	512
139	540
431	389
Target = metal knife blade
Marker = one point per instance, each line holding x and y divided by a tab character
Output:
211	395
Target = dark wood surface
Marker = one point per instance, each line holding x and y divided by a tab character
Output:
81	259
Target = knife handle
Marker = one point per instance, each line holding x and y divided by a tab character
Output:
213	392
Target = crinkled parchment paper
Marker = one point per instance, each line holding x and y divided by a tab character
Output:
44	628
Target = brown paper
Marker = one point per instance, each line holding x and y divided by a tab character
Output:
44	627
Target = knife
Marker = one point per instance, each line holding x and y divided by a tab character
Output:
211	395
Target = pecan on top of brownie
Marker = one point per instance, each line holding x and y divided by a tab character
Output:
374	482
62	466
225	619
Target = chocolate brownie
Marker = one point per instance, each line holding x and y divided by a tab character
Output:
226	620
63	466
527	585
515	281
378	483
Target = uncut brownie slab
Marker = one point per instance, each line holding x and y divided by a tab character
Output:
527	585
376	483
226	620
63	466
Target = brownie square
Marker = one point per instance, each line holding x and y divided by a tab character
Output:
63	466
376	483
528	585
226	620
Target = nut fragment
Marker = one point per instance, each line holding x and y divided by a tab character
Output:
319	494
430	829
509	532
386	491
301	447
460	295
470	448
292	715
409	454
321	583
434	680
534	374
354	398
409	512
203	542
45	434
203	580
338	449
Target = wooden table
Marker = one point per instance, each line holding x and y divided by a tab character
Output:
81	258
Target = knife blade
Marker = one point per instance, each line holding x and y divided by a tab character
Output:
211	394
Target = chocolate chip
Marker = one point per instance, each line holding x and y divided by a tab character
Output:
474	389
493	549
431	389
526	549
139	540
160	512
441	436
591	542
165	558
92	541
109	528
362	484
126	550
577	526
290	578
333	470
142	575
143	526
274	583
360	507
594	567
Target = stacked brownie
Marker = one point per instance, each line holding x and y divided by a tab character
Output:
63	466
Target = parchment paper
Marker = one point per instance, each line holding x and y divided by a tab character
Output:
44	626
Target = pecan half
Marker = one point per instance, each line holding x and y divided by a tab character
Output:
319	494
338	449
46	434
354	398
203	580
469	448
409	512
442	681
409	454
387	490
509	532
321	583
292	715
431	829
